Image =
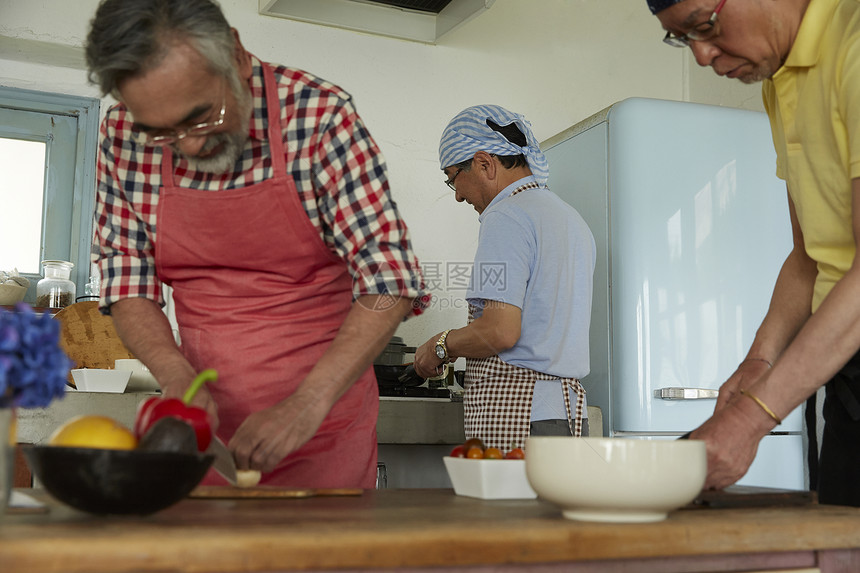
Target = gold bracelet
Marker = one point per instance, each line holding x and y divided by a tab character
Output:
764	407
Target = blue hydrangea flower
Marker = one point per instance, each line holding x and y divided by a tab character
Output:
33	367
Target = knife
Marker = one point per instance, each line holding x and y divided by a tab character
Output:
224	463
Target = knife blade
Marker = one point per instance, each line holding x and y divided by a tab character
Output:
224	463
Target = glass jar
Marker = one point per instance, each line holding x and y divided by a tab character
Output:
55	290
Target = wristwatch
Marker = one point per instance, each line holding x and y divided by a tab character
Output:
441	347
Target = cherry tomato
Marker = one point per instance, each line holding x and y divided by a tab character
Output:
492	454
515	454
473	442
458	452
475	453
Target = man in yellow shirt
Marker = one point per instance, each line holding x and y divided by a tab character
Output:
807	54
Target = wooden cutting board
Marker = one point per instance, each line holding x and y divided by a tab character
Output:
267	492
88	337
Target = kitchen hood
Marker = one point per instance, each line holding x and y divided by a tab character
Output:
417	20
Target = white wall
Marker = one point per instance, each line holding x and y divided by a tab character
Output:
555	61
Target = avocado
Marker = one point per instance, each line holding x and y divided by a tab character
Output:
169	435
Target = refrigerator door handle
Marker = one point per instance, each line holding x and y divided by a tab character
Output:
686	393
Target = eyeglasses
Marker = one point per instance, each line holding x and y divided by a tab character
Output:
704	31
169	136
450	182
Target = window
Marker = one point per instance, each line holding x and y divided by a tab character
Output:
22	165
48	146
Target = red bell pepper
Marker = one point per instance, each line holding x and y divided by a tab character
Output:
153	409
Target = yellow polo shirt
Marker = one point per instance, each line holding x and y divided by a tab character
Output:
813	102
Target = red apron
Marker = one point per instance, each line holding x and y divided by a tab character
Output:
259	297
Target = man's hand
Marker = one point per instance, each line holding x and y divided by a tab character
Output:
731	436
426	363
268	436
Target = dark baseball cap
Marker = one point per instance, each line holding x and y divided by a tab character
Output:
658	5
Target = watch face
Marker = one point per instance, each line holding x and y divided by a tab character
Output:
440	352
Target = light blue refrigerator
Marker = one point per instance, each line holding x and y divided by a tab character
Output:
692	227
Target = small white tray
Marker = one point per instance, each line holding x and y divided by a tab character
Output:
101	380
489	479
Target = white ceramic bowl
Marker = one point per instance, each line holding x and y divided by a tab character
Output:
141	379
489	479
12	294
616	479
100	380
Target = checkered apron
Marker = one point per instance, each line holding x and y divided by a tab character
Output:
498	399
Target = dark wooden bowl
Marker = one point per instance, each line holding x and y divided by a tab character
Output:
116	481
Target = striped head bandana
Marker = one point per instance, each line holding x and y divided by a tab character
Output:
469	133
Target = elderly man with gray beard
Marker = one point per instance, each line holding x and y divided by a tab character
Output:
255	191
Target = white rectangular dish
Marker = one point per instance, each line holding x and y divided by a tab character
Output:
100	380
489	479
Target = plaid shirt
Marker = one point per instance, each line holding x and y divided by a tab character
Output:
338	170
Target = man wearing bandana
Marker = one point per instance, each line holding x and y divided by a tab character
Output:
526	343
807	54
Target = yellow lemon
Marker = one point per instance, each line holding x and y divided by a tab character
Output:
93	432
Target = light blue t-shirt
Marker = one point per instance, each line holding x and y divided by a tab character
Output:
537	253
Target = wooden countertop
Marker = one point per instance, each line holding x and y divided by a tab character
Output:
403	529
